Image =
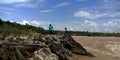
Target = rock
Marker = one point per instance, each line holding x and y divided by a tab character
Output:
59	50
1	42
48	47
28	51
19	55
70	44
29	58
44	54
10	51
16	53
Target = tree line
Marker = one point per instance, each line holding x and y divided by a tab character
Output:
7	27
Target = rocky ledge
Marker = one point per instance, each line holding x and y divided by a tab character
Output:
47	47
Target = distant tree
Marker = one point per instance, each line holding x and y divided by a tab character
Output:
8	22
1	22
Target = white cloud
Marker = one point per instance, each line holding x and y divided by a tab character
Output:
115	14
105	0
106	8
87	25
62	4
40	0
112	26
23	3
12	1
43	24
82	14
111	1
111	4
27	5
35	23
89	15
24	22
80	0
30	4
96	15
46	11
92	26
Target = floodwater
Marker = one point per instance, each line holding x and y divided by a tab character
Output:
104	48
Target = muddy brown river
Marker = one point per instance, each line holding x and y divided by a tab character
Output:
104	48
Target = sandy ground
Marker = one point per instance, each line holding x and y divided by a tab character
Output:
104	48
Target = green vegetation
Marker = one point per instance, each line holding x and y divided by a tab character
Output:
78	33
86	33
7	27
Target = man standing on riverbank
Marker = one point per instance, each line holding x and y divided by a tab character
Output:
50	29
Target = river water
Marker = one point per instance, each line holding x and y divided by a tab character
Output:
104	48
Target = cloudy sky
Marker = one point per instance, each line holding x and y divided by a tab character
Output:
76	15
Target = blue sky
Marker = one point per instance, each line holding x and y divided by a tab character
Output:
76	15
